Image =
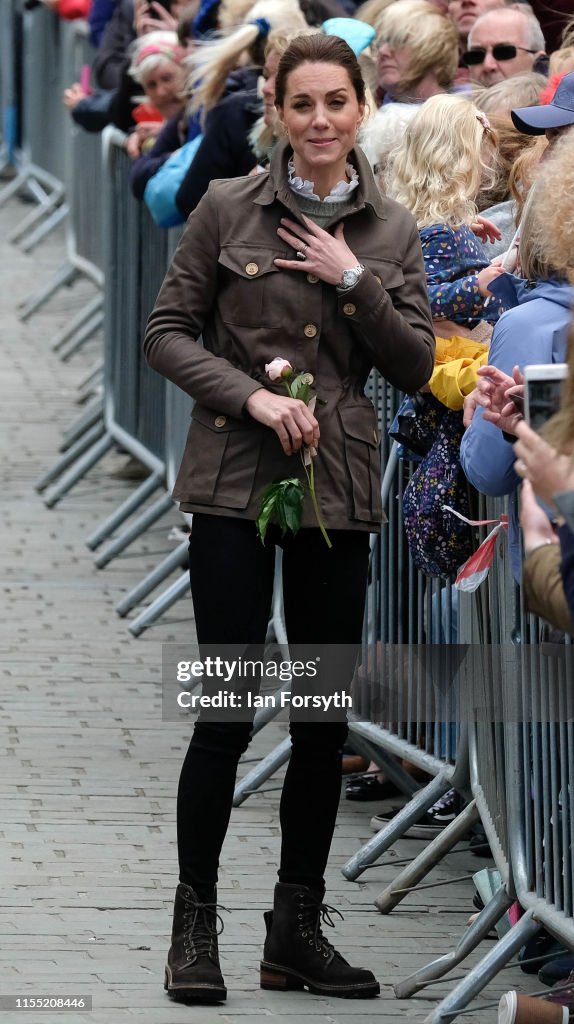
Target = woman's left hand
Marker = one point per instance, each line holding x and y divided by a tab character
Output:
485	229
326	255
537	461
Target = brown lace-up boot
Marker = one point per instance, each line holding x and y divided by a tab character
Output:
297	955
192	972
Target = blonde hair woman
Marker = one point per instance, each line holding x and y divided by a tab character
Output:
212	61
417	51
437	171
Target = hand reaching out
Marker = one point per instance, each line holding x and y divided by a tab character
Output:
493	390
547	469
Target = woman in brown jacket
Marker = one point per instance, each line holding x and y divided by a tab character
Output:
308	262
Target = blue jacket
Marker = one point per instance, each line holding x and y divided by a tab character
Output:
534	331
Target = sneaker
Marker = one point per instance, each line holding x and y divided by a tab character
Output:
432	823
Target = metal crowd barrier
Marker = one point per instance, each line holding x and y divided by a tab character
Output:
518	705
82	172
41	159
134	396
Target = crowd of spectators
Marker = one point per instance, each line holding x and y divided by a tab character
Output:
470	126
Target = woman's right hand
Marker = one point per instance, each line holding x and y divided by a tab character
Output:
290	418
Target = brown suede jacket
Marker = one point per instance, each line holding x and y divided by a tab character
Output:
223	286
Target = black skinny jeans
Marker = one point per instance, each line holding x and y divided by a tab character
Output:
232	584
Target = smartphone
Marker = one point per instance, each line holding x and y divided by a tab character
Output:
543	387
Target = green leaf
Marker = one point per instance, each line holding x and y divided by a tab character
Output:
300	389
281	503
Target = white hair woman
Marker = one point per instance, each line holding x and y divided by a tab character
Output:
437	172
417	52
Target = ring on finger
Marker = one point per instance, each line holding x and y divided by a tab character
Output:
302	251
520	467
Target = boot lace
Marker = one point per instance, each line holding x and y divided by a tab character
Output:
201	925
312	914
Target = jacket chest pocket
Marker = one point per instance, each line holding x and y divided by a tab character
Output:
250	287
388	273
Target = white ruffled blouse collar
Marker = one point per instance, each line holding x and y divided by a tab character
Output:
338	193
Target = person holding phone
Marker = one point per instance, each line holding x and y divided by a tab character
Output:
545	462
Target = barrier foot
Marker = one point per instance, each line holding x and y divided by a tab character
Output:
178	558
477	979
396	828
90	382
479	929
55	218
77	321
160	605
414	872
65	275
92	414
46	206
71	455
14	187
263	771
81	336
75	473
125	510
135	529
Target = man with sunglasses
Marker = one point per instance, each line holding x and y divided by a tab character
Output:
502	43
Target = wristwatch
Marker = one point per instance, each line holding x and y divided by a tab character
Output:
350	277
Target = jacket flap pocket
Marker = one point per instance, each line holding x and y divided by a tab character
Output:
388	272
249	262
359	422
218	422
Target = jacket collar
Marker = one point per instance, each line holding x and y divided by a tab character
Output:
277	187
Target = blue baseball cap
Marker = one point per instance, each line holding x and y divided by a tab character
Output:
559	113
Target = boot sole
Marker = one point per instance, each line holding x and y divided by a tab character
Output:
282	980
199	994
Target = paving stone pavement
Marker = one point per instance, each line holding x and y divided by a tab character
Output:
89	770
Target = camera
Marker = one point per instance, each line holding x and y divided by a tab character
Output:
543	386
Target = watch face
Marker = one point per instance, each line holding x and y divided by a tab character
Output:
349	277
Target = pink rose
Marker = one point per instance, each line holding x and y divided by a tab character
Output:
279	369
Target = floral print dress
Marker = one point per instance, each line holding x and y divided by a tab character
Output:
453	258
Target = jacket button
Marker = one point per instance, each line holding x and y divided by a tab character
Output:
310	331
252	269
220	421
312	279
307	378
349	309
377	279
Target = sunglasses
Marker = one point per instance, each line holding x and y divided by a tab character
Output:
500	51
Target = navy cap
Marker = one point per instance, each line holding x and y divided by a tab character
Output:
557	114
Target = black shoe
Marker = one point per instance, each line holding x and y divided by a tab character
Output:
557	970
192	972
430	824
297	955
368	787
